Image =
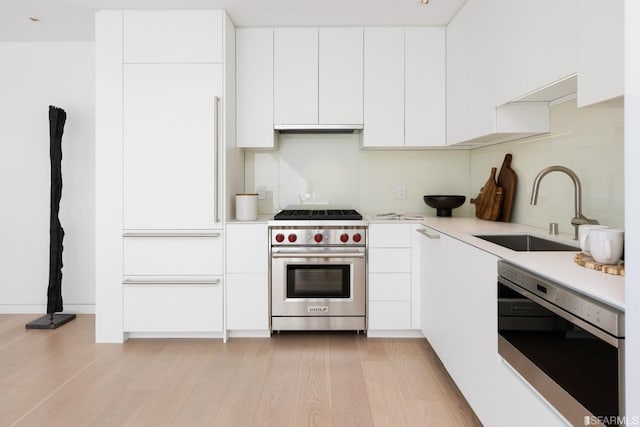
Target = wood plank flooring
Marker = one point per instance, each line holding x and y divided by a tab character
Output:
63	378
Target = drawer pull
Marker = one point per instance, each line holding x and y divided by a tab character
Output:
424	232
170	282
170	234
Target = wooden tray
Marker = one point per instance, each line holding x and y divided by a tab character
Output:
489	200
588	262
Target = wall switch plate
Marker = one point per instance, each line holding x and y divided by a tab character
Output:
401	192
262	192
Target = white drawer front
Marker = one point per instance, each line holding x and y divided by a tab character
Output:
389	287
393	260
248	301
390	236
172	256
389	315
173	308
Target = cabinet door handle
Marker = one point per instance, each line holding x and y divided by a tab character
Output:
424	232
151	233
216	201
138	281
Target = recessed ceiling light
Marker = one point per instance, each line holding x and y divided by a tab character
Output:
34	19
425	2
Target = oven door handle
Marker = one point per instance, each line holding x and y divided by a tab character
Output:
318	255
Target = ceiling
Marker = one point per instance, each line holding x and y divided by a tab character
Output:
72	20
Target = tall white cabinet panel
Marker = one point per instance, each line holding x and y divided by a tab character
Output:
295	65
254	77
247	280
600	52
425	84
170	144
340	85
173	36
383	87
108	180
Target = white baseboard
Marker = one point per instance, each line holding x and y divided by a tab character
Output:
250	333
394	333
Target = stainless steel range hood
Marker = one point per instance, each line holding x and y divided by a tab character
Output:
319	129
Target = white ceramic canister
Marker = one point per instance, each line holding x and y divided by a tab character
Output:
247	207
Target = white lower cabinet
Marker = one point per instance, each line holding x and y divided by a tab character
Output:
173	307
391	290
459	319
247	301
247	280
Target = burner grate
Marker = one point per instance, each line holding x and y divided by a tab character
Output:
318	214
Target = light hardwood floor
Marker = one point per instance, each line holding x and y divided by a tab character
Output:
62	378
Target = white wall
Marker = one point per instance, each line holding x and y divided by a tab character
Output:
632	207
334	168
589	141
32	77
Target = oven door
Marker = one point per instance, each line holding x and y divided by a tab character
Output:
574	365
318	282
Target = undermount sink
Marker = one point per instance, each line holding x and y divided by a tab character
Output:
526	243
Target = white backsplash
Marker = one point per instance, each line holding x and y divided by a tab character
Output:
590	141
333	168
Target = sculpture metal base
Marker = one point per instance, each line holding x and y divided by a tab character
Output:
50	321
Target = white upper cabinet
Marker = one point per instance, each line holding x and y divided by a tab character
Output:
295	68
173	36
600	52
340	82
383	87
499	51
170	144
317	76
425	85
254	88
405	82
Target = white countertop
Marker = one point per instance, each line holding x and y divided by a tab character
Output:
557	266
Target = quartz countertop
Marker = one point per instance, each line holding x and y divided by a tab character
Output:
557	266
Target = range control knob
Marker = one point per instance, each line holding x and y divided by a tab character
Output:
318	237
292	238
357	237
344	237
279	237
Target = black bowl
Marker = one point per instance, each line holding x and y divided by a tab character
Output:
444	204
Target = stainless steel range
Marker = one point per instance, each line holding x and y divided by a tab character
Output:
318	270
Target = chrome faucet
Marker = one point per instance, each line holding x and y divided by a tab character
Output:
578	219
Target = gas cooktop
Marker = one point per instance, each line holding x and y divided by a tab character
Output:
318	214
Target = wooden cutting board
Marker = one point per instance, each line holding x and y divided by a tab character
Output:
507	180
489	200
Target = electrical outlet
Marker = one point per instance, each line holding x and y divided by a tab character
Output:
262	193
401	192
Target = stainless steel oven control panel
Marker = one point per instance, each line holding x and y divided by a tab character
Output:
582	306
319	236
